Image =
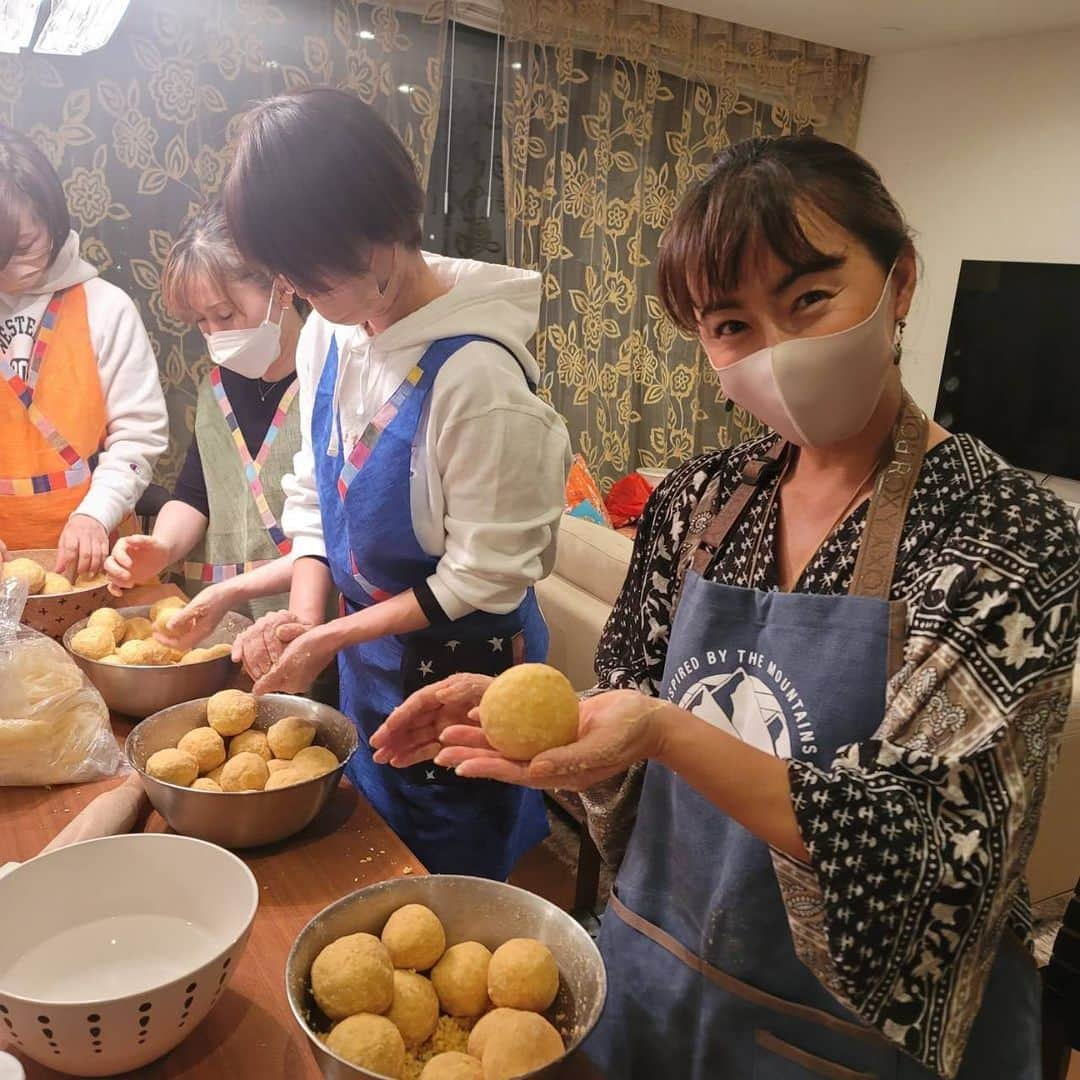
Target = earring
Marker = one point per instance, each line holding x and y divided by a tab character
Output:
898	344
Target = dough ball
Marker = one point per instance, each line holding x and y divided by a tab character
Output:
170	603
93	642
161	622
229	712
26	570
174	656
515	1043
460	979
173	766
284	778
113	659
111	620
277	765
453	1065
55	585
315	761
215	774
415	1008
289	735
215	652
529	709
414	937
245	772
353	975
250	742
138	629
147	653
523	975
90	581
204	783
371	1042
206	746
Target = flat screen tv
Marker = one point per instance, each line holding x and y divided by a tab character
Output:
1012	365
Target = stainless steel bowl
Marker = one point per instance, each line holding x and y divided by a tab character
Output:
139	690
471	909
250	818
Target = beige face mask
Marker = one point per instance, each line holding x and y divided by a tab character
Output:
815	391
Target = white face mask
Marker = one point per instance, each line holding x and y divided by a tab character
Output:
248	352
815	391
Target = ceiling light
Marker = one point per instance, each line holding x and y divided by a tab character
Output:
516	65
75	27
365	35
405	88
17	21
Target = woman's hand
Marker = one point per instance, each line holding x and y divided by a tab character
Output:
411	732
5	555
135	559
191	624
615	730
301	662
261	646
83	545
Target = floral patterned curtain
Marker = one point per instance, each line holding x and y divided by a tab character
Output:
140	130
612	108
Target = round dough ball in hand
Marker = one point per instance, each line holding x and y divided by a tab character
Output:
55	585
284	778
415	1008
250	742
245	772
26	570
173	766
414	937
206	746
353	975
230	712
138	629
372	1042
460	979
111	620
453	1065
147	653
514	1043
528	709
523	975
170	603
93	642
315	761
289	735
204	783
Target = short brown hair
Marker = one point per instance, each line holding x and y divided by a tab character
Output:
752	198
318	178
27	179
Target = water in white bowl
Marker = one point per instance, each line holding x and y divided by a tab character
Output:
109	958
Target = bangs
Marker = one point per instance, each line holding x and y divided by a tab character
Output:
185	267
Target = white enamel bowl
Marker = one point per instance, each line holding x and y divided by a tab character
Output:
114	950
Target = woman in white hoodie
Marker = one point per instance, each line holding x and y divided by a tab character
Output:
430	481
82	413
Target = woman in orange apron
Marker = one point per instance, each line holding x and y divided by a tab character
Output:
81	407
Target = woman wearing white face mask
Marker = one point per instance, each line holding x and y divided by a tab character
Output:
82	413
222	527
845	651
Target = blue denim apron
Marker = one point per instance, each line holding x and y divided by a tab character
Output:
452	825
704	980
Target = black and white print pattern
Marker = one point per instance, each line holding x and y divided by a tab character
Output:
901	915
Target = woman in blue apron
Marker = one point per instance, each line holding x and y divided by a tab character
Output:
430	480
844	651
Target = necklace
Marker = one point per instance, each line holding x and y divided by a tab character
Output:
264	393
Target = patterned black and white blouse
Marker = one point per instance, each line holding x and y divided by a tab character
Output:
955	775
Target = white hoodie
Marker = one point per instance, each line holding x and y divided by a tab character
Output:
136	423
490	459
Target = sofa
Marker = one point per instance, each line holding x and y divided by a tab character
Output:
590	565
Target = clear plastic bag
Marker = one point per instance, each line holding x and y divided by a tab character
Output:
54	725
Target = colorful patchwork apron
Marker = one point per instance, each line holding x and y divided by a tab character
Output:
704	982
452	825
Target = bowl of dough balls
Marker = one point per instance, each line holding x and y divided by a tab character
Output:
240	770
135	673
55	602
444	978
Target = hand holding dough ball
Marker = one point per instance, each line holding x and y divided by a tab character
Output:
55	585
173	766
515	1043
453	1065
147	653
26	570
415	1008
138	629
230	712
353	975
315	761
111	620
170	603
250	742
284	778
93	642
523	975
528	709
206	746
289	735
204	783
414	937
245	772
371	1042
460	979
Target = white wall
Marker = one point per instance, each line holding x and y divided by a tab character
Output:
980	145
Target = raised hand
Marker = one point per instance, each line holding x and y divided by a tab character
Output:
135	559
